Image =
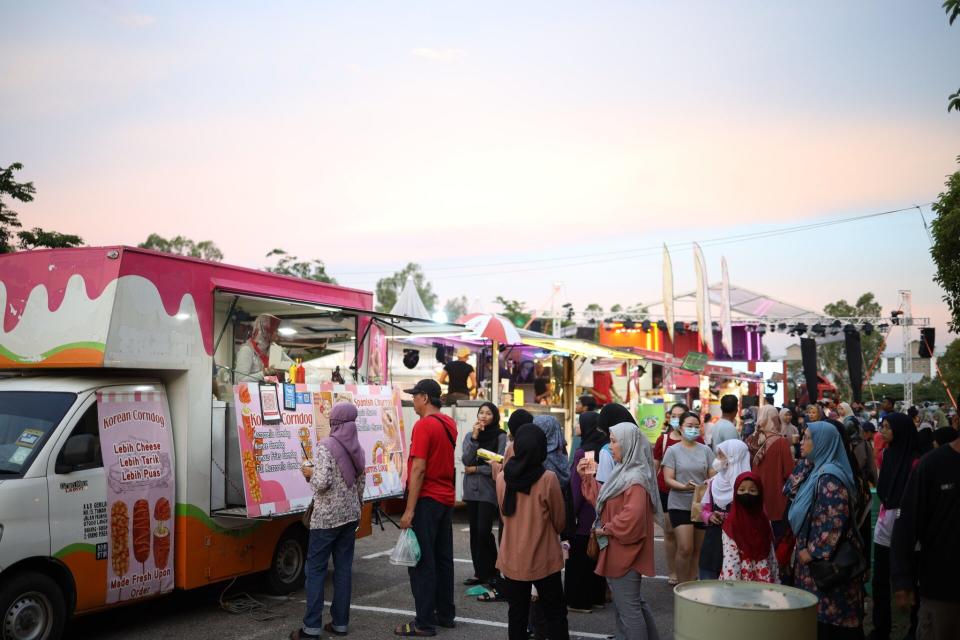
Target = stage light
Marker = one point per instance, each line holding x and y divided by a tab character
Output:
818	329
762	329
773	328
645	325
867	328
679	328
662	325
628	324
883	327
782	326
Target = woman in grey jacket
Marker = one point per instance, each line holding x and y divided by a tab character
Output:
480	494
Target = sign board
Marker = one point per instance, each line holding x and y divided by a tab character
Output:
271	454
650	418
137	445
694	361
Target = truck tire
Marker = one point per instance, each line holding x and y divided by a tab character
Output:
286	572
32	607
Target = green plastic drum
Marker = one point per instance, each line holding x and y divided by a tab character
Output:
732	610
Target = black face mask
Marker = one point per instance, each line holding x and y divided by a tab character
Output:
748	500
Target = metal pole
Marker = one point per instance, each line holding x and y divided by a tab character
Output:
495	377
906	321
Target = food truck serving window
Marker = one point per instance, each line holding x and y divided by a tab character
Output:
26	420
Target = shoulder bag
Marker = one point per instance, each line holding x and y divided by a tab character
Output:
848	562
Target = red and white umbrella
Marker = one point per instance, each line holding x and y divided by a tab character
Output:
498	330
490	326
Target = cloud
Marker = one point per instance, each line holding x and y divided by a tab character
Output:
439	55
136	20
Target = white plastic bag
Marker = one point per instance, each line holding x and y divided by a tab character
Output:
406	553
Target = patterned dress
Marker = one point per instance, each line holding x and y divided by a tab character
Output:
736	567
843	606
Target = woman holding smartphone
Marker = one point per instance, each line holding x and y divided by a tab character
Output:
685	466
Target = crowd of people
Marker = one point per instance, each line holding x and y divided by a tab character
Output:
785	499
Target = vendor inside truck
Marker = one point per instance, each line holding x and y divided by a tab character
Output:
253	356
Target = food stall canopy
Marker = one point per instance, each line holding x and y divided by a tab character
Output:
574	347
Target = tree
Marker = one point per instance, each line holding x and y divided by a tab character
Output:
952	9
945	229
9	219
949	364
455	307
514	310
616	308
290	265
832	357
181	246
389	288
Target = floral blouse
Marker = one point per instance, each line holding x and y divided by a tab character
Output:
843	606
334	503
736	567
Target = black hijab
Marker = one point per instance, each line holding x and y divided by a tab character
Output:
517	419
489	437
925	440
612	414
943	435
526	465
591	437
898	459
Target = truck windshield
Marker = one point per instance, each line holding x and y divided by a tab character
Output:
27	418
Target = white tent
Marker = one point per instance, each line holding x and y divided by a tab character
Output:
409	303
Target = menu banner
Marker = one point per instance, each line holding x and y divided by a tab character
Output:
137	444
271	454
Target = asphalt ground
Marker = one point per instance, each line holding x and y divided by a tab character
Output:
381	601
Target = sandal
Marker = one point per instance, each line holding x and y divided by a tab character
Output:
491	596
329	629
411	629
672	581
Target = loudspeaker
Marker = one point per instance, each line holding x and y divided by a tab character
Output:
854	362
808	352
928	338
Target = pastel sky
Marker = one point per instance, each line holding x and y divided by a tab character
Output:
552	136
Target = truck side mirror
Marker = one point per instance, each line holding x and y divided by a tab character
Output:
79	452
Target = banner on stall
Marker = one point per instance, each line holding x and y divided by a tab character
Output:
271	455
137	445
650	417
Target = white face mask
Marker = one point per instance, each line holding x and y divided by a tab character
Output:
719	465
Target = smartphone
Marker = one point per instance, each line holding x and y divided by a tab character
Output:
589	455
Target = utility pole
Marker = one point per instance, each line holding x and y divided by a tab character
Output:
906	322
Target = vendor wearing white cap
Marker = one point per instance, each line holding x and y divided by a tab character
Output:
460	378
253	356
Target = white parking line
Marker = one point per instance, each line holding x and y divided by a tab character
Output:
477	621
371	556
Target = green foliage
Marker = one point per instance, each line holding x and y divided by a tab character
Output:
832	357
455	307
389	288
617	308
290	265
945	229
181	246
949	364
514	310
35	238
952	8
953	102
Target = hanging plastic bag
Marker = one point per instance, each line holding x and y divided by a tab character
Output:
406	553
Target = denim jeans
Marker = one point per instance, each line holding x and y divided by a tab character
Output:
432	579
338	542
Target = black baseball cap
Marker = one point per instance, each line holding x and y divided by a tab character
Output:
427	386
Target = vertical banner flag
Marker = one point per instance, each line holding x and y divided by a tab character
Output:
668	291
650	417
704	317
137	446
726	335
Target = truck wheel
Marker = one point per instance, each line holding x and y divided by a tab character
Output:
285	574
32	608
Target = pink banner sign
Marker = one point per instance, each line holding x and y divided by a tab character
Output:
137	444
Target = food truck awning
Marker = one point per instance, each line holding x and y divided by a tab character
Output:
582	348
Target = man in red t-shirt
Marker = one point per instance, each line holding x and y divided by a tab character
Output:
430	498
